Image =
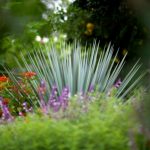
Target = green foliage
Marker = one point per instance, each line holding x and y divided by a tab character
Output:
104	126
113	20
142	108
16	14
75	25
21	21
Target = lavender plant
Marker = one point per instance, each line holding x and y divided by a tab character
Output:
55	102
6	115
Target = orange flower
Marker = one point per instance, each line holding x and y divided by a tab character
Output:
29	74
3	79
6	101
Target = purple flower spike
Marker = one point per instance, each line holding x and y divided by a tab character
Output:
41	92
43	84
91	88
54	90
5	111
64	98
65	93
118	83
57	102
56	106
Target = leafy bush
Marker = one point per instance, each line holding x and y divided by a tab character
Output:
104	126
142	110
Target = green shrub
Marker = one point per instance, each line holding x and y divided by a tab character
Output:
105	126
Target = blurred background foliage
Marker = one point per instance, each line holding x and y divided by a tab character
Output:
20	22
123	22
15	30
110	20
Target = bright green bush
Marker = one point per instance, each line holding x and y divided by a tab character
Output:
105	126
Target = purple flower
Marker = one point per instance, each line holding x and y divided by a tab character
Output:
21	114
30	109
54	91
118	83
64	98
65	93
5	111
56	106
43	84
41	92
24	104
25	107
53	96
55	102
91	88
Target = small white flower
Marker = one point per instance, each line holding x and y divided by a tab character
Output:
71	1
65	36
45	39
65	10
55	39
45	16
38	38
65	18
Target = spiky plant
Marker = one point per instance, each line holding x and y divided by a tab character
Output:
77	68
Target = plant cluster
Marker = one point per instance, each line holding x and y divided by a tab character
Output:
48	79
99	123
75	90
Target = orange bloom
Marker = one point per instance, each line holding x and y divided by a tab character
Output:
3	79
29	74
6	101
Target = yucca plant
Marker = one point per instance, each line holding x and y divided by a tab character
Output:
77	68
